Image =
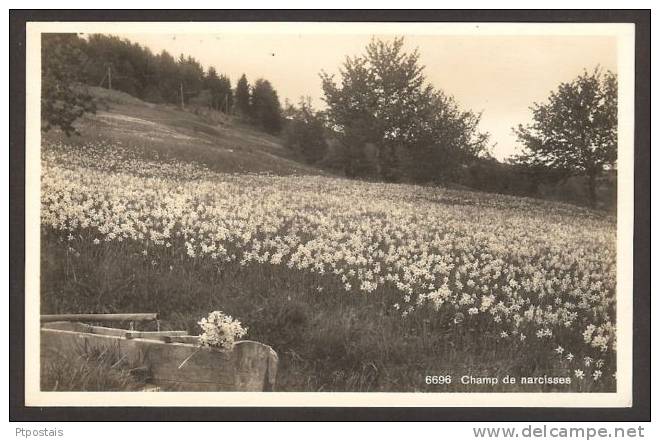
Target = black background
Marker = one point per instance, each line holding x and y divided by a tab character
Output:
641	410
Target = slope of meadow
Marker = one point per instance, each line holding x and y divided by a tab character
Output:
357	286
218	141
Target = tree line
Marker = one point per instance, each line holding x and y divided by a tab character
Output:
116	63
382	119
385	121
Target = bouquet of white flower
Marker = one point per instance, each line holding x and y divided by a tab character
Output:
220	330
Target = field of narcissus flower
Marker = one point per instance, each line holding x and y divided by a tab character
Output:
358	286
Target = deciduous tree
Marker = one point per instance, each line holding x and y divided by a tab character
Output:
64	98
305	132
383	100
575	131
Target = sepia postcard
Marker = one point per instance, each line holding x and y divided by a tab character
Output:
329	214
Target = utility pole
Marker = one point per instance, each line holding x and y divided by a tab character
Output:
109	77
181	88
226	104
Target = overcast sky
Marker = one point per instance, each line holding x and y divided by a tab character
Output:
499	75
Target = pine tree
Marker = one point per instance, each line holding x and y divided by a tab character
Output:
225	94
265	105
242	96
191	76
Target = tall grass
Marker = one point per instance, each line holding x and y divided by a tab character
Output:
338	342
94	369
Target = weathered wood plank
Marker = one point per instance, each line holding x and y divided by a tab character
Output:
83	327
249	366
142	317
154	335
102	330
190	339
256	366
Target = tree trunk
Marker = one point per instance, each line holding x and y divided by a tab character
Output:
388	164
591	187
349	161
379	163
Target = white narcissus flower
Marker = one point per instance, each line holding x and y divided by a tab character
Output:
220	330
512	263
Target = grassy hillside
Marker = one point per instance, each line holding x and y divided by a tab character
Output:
220	142
358	286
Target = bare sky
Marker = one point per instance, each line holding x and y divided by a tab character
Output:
499	75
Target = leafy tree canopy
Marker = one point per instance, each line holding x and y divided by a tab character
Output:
63	98
575	131
383	99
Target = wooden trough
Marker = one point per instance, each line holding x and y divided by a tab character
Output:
171	360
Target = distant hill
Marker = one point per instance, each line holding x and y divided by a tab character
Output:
221	142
